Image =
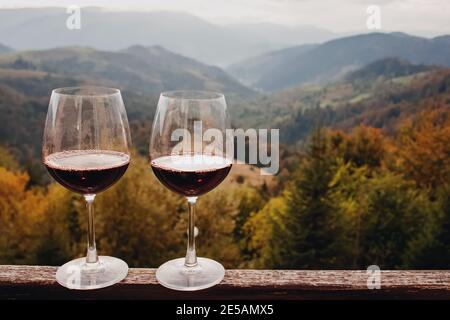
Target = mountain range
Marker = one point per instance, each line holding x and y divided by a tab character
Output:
44	28
143	70
28	77
333	59
377	93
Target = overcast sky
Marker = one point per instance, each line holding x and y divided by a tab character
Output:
431	17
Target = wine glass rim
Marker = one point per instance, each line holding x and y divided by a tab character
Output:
192	95
98	91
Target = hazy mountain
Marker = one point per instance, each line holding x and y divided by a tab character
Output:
443	39
251	70
146	70
4	48
45	28
335	58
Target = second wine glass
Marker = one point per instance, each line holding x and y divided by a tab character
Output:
188	156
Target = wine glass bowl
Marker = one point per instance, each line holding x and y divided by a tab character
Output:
86	149
188	155
190	175
87	171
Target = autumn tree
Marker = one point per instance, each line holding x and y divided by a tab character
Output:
57	229
425	148
20	209
7	160
249	201
266	234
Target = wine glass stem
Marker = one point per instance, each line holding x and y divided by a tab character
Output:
191	256
91	256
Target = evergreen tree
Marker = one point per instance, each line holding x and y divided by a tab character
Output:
312	221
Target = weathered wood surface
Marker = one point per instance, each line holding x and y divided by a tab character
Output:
38	282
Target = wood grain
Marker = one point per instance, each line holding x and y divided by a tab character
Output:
38	282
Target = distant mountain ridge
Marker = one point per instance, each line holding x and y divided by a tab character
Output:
180	32
250	70
147	70
335	58
4	48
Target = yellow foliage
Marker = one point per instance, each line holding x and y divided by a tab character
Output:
262	227
19	211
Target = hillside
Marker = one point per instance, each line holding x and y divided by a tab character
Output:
387	68
385	104
329	61
380	95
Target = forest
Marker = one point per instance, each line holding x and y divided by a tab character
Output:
353	199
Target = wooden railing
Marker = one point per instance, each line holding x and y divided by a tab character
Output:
38	282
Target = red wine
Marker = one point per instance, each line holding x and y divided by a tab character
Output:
87	171
191	175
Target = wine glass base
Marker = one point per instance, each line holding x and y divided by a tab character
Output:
76	274
175	275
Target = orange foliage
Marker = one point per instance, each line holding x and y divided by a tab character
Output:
425	148
364	146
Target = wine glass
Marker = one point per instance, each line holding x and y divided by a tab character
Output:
86	149
187	156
